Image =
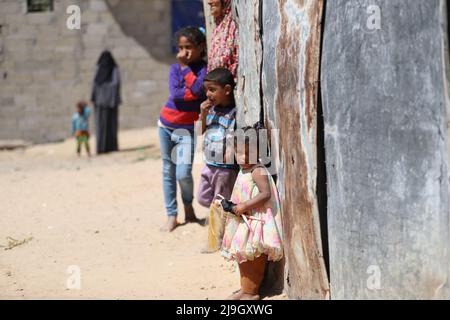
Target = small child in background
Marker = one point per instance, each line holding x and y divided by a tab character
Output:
80	127
218	119
253	230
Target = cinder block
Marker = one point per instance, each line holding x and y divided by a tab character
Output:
6	101
11	8
19	78
23	32
107	18
98	6
43	18
146	65
92	54
15	20
124	42
43	76
25	100
87	66
97	29
15	45
114	30
120	53
138	52
46	41
8	125
52	67
89	17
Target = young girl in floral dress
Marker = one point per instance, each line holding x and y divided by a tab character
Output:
253	231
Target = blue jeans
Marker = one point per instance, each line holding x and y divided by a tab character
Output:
177	153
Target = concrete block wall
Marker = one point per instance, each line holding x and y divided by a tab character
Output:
45	68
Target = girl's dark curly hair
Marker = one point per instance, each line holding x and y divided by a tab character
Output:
194	35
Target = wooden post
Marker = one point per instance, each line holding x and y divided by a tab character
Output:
209	22
290	83
248	93
285	76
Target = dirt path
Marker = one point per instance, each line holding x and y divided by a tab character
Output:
103	217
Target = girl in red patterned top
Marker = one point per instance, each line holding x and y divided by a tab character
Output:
225	38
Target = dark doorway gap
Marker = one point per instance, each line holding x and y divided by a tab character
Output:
321	185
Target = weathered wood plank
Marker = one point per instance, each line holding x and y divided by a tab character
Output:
209	22
248	96
291	38
386	147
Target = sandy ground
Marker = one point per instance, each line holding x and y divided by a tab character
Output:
99	219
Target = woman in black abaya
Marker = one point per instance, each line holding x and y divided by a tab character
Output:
106	98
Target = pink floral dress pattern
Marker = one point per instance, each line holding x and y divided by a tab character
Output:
241	243
224	45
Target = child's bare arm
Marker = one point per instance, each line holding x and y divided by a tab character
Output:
262	182
204	108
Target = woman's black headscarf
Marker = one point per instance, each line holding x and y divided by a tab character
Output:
106	65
